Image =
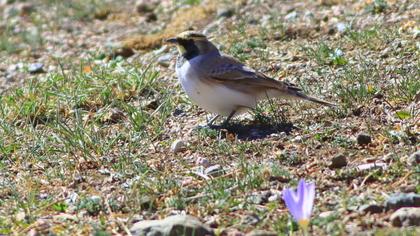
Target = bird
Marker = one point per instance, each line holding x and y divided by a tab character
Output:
223	85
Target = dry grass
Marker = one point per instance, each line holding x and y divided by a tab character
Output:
186	18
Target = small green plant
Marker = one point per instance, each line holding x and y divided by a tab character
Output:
377	6
324	55
403	115
188	2
93	205
241	49
7	44
290	159
60	207
284	225
331	223
374	38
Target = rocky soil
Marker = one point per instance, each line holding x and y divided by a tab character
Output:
97	136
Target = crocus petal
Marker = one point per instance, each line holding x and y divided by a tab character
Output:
291	203
301	191
309	198
295	196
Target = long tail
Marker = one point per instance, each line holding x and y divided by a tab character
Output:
295	92
313	99
290	90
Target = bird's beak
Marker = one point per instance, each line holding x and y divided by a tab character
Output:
171	40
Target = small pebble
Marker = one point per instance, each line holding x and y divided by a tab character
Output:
214	170
117	49
414	159
164	60
406	216
225	12
261	233
178	146
326	214
115	115
151	17
201	161
416	33
275	196
371	208
363	139
251	219
291	16
400	200
370	166
36	68
342	27
259	197
338	161
232	232
309	15
26	8
144	7
20	216
178	112
408	188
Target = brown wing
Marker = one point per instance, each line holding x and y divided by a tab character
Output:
235	75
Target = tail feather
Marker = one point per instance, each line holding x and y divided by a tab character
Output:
297	92
313	99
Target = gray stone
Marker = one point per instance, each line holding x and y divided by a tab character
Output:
291	16
261	233
164	60
371	166
414	159
406	216
178	146
408	188
171	226
21	9
275	196
118	49
259	197
4	2
371	208
214	170
36	68
338	161
25	8
309	15
201	161
225	12
152	104
342	27
145	7
151	17
363	139
326	214
400	200
178	111
251	219
416	33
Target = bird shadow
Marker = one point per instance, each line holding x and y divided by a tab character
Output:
253	131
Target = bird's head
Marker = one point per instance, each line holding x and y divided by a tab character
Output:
191	44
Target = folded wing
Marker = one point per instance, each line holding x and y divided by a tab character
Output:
233	74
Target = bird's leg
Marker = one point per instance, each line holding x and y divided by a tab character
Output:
224	124
212	120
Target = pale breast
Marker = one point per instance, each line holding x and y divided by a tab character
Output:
212	97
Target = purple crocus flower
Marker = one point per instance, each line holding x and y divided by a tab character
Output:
300	202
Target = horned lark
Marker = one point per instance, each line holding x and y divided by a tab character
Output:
221	84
